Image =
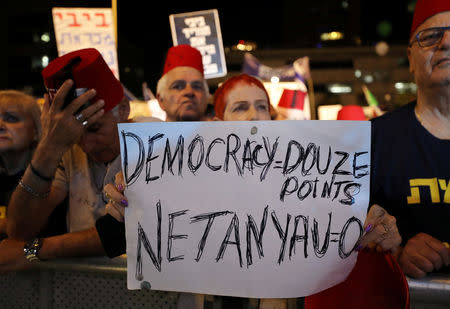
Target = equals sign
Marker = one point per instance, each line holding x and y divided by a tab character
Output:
278	166
336	239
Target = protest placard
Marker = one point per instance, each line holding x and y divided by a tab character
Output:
201	30
252	209
78	28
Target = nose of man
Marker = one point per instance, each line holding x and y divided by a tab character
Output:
190	95
188	91
445	41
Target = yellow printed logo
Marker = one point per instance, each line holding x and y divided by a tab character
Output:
434	185
2	212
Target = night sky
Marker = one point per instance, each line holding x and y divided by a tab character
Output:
144	32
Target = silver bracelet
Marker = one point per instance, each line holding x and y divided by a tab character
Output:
30	190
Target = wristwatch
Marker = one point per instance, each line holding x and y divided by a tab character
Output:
31	250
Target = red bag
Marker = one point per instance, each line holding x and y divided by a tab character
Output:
375	282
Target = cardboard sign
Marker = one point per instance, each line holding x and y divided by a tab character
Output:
260	209
201	30
77	28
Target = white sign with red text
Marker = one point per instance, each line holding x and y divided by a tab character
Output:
78	28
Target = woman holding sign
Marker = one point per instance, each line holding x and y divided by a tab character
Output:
244	98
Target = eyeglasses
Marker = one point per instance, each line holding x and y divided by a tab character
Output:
429	37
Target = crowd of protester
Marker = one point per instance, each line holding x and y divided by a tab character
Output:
63	192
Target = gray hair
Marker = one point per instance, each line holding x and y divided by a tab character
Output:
116	109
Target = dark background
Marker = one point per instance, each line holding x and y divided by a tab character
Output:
144	31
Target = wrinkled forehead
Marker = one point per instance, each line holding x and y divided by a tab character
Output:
184	73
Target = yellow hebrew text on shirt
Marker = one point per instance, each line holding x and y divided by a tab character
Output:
445	187
2	212
434	185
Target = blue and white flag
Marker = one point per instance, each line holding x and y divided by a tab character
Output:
291	77
296	71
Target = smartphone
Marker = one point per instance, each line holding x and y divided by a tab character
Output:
71	95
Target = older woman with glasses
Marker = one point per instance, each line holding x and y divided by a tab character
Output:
411	148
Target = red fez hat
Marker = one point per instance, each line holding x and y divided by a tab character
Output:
88	70
351	112
183	56
427	8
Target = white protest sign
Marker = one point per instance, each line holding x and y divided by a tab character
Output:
78	28
252	209
201	30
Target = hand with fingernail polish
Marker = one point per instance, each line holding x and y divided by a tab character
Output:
116	198
380	232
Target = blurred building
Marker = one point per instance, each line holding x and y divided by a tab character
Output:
339	73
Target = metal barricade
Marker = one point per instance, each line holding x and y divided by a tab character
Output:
78	283
102	283
431	292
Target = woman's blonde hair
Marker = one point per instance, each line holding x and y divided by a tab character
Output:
28	104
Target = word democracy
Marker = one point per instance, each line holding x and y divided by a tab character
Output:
301	164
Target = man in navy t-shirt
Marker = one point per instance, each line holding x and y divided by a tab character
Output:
411	148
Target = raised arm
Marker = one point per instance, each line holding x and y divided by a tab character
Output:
35	198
